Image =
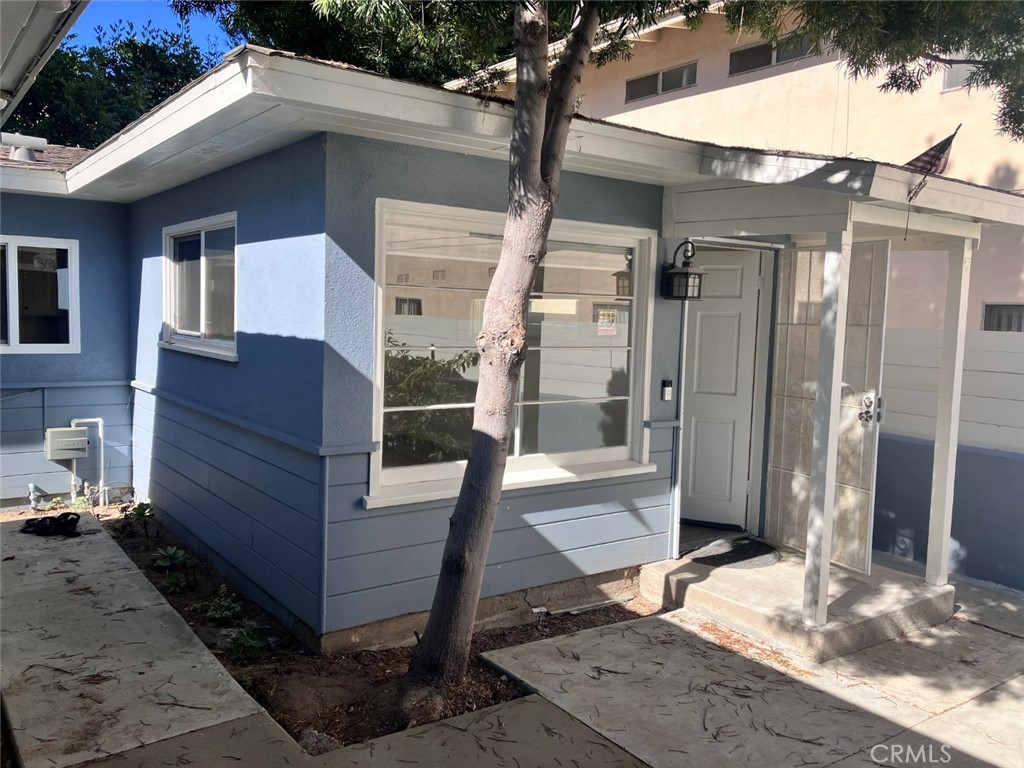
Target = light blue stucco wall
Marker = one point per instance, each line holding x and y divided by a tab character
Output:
383	562
359	172
276	383
228	451
41	391
102	233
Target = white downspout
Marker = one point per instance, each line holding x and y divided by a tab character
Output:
103	464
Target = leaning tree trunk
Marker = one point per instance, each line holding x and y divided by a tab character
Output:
542	113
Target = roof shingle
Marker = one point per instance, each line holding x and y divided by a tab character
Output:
54	158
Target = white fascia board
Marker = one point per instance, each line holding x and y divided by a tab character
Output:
865	180
350	101
978	204
32	181
221	87
842	176
894	218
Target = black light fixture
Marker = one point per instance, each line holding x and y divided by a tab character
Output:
624	278
682	282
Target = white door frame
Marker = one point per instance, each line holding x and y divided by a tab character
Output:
759	411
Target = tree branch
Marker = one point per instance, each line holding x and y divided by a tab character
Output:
565	84
950	62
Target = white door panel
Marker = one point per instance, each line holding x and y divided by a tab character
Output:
718	388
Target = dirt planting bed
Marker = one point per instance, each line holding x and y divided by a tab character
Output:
323	701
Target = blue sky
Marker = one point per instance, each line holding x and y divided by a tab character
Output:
205	31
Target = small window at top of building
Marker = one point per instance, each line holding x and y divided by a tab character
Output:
767	54
955	76
1004	317
642	87
662	82
747	59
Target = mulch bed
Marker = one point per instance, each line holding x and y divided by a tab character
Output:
327	701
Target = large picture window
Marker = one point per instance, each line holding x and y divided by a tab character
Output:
39	295
199	306
578	398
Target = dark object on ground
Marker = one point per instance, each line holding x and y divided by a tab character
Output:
64	524
743	552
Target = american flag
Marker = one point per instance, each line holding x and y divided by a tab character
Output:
935	159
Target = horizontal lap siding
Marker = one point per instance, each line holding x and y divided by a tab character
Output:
253	501
992	404
384	562
26	413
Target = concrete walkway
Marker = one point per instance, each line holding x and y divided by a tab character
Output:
669	691
94	662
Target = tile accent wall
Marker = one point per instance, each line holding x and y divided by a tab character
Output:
794	379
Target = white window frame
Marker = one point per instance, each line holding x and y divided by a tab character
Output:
14	347
170	338
947	71
774	62
661	73
404	485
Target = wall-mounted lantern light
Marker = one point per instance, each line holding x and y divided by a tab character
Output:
624	278
684	281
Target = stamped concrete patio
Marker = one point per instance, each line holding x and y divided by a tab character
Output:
680	689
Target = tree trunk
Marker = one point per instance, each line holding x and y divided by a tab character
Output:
541	117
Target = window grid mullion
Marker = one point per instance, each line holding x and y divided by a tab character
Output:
202	284
13	297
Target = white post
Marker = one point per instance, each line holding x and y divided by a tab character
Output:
827	399
947	417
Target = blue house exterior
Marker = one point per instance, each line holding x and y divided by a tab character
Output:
263	454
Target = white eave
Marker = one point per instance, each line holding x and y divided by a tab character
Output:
33	181
258	100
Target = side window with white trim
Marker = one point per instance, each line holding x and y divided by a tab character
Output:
199	306
39	308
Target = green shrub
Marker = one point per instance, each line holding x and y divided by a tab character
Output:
171	557
250	644
224	607
174	583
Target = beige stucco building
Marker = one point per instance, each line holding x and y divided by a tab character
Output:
810	104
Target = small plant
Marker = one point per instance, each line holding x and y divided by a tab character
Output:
175	583
55	504
140	515
249	644
171	557
224	607
81	503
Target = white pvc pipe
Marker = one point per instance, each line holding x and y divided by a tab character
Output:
103	464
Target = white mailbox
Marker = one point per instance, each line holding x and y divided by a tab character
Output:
65	443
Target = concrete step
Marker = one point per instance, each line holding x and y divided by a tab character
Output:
766	603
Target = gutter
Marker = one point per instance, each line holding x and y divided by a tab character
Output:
67	19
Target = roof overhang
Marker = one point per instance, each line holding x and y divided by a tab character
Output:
258	100
30	31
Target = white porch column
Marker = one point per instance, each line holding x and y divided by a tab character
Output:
947	417
825	454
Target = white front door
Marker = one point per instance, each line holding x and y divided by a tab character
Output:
718	389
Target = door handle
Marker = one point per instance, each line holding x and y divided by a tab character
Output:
871	409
